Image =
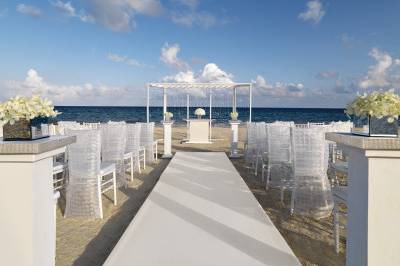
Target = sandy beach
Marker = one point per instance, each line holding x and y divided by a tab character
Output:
89	242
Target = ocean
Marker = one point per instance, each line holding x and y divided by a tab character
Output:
221	115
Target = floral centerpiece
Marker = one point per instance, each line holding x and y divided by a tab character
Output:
234	116
22	117
375	114
168	116
199	112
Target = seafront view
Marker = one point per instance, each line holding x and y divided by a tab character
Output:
198	132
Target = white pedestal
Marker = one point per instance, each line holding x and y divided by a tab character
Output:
234	138
199	131
167	139
27	224
373	234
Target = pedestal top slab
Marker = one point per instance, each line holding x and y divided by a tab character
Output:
35	146
366	143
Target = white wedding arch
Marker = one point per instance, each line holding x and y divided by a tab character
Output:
188	88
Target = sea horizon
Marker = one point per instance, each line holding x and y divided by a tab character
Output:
220	115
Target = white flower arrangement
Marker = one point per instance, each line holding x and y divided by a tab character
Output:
200	112
378	104
25	108
168	116
234	115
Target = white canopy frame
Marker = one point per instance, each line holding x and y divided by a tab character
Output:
211	86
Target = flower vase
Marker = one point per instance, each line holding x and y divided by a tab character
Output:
375	127
24	129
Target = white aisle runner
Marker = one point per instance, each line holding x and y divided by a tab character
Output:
201	212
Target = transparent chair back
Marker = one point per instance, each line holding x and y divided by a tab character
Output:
84	168
261	138
312	194
147	140
113	142
279	152
251	142
63	125
132	138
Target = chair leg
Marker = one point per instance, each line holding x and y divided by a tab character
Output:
336	228
262	173
144	159
268	176
132	168
138	163
256	168
115	187
292	200
99	196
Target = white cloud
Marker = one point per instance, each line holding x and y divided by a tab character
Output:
314	12
326	75
169	55
87	94
279	89
192	18
341	88
123	59
119	15
146	7
68	9
210	73
377	75
29	10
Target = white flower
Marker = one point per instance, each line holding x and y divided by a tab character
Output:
377	104
234	115
199	112
25	108
168	115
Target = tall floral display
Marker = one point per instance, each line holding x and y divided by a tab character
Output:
22	117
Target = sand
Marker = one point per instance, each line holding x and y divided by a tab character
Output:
88	242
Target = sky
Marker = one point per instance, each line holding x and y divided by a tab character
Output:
315	53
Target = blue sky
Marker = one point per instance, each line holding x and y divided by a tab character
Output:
298	53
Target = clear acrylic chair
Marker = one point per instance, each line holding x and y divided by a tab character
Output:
261	147
88	178
113	142
279	166
59	162
134	153
338	166
251	142
312	195
148	142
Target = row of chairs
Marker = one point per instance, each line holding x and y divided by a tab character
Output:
297	158
98	161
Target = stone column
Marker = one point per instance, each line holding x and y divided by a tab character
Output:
167	138
234	138
27	224
373	234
